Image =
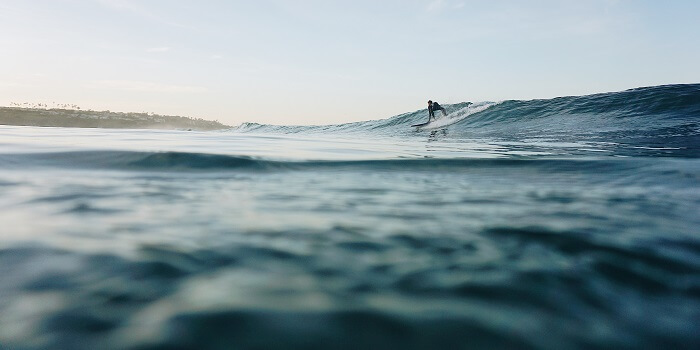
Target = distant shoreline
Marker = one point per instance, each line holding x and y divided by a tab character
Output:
72	118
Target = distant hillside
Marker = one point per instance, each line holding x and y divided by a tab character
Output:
73	118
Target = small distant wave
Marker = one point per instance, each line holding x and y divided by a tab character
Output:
132	160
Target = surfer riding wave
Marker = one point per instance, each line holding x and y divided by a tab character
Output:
432	107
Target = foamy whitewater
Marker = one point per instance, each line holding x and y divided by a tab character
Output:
569	223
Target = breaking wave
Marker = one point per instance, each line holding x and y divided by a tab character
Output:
660	116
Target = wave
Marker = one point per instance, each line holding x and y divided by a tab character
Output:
203	162
659	116
395	126
639	109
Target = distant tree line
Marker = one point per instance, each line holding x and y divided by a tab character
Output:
39	114
44	105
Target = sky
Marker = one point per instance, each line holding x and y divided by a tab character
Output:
326	62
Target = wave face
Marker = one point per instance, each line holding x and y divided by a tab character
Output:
661	117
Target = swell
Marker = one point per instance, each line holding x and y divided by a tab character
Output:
633	111
183	161
659	116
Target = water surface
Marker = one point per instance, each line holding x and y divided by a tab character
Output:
556	224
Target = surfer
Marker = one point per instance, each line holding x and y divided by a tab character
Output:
432	107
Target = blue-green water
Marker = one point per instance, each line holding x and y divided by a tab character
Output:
569	223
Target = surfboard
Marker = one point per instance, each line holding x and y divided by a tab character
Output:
421	124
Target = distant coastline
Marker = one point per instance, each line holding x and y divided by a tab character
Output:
76	118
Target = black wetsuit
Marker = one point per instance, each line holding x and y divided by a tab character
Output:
432	108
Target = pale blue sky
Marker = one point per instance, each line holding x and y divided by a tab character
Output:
325	62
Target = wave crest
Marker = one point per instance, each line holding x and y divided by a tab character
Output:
659	116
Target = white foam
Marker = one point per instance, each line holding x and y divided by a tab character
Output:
460	114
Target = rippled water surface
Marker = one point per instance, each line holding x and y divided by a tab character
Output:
459	236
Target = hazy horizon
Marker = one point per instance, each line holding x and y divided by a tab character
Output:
315	62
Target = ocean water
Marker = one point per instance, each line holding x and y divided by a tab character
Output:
569	223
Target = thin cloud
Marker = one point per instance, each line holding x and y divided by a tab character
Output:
440	5
140	11
158	49
435	5
145	86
